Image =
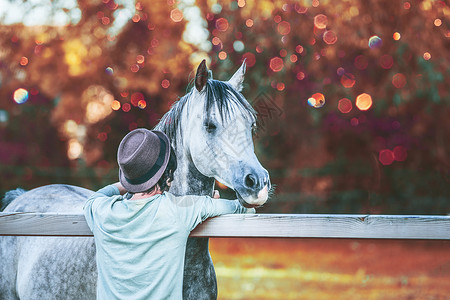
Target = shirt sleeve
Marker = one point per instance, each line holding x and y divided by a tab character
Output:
203	207
89	206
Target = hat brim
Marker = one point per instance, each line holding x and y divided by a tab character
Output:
136	188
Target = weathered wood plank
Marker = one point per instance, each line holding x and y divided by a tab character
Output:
43	224
257	225
329	226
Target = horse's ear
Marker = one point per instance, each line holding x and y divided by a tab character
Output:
237	79
202	76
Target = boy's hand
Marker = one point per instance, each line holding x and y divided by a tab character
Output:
216	194
122	190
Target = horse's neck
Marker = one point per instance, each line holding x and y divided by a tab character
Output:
188	180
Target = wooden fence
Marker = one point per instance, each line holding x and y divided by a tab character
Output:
254	225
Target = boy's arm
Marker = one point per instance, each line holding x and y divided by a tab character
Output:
107	191
206	207
120	187
217	207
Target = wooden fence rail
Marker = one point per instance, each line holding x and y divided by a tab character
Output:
254	225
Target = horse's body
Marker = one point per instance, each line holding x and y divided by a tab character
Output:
48	267
199	126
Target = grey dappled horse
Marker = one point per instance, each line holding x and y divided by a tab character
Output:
211	131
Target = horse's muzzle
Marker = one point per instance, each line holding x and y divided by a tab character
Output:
255	201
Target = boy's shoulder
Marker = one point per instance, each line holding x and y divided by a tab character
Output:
98	200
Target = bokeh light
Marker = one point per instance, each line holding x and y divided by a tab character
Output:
136	18
427	56
299	49
20	96
400	153
249	23
300	9
399	80
280	86
140	59
317	100
115	105
4	116
154	43
216	41
126	107
293	58
361	62
106	20
109	71
363	102
222	24
165	83
284	28
300	75
74	149
437	22
23	61
136	97
329	37
134	68
102	136
321	21
386	157
375	42
98	104
386	61
345	105
222	55
238	46
142	104
176	15
396	36
348	80
276	64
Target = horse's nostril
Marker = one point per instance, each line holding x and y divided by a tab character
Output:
250	181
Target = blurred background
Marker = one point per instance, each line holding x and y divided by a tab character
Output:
353	96
353	101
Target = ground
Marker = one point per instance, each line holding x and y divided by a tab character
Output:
255	268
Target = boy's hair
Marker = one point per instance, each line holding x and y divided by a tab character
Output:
167	175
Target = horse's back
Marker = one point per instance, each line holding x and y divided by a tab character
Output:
51	198
48	267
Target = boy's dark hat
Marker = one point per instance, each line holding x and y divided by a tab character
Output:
143	156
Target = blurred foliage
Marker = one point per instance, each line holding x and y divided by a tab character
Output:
87	88
275	268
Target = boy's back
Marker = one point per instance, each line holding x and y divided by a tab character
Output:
141	243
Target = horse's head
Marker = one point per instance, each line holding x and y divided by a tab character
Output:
217	136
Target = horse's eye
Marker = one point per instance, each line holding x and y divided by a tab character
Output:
210	127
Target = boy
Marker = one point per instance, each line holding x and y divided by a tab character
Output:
141	236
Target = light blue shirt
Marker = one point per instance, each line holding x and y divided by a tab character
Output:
141	243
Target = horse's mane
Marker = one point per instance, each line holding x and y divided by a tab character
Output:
217	93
